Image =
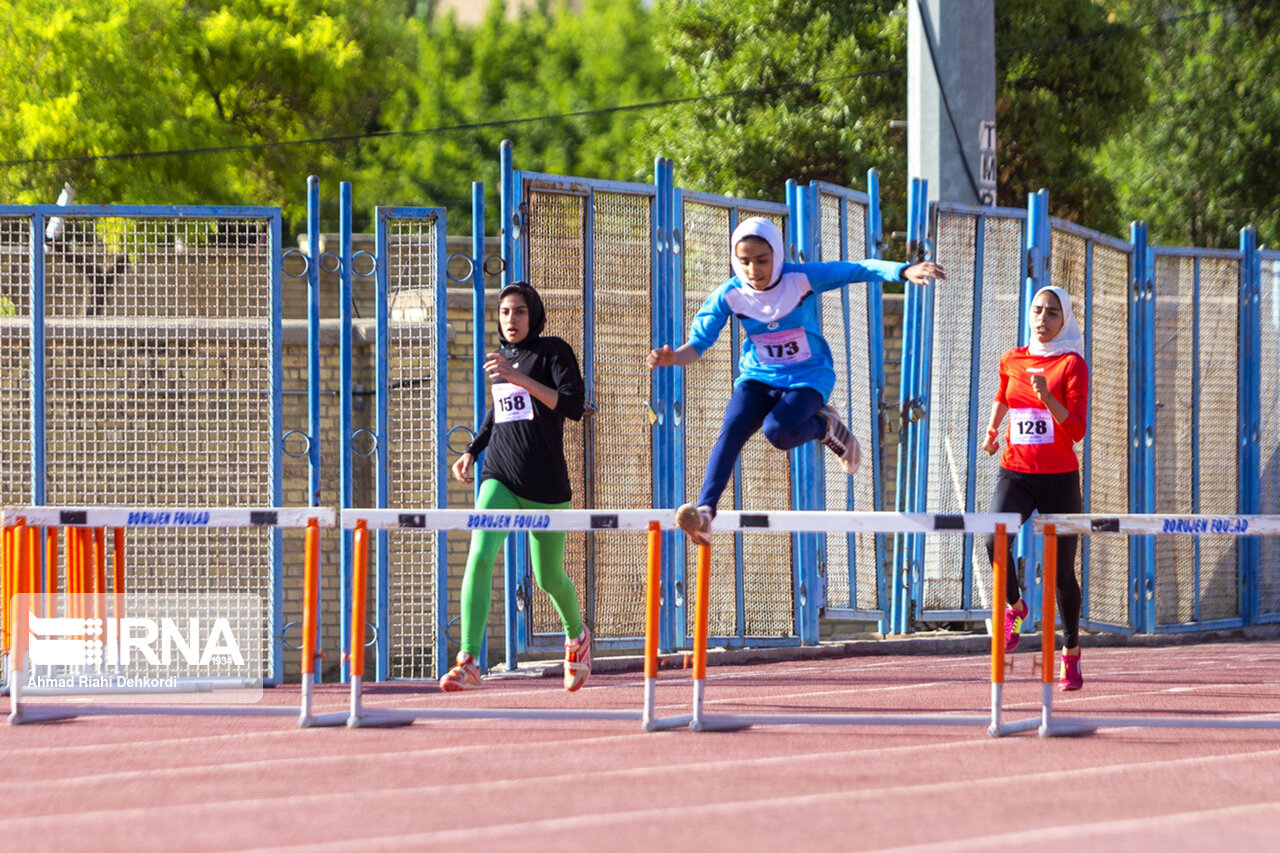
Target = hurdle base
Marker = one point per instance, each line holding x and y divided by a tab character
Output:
725	723
43	714
664	724
379	720
1016	727
316	721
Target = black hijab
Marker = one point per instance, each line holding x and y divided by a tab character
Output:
537	314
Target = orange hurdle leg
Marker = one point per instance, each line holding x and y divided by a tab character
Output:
51	571
359	578
1048	626
700	633
651	607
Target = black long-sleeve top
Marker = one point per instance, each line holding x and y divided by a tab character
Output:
527	456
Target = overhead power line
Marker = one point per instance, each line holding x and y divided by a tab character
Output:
1109	32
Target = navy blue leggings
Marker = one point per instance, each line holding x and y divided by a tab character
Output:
789	417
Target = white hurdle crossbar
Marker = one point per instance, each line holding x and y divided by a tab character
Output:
22	558
1053	526
653	520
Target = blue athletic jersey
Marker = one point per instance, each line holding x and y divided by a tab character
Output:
782	343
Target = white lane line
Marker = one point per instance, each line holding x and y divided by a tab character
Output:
563	827
1080	832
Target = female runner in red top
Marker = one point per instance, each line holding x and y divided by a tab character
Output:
1044	388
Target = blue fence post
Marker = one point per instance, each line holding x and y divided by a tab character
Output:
674	583
1142	427
345	417
512	270
905	546
1250	381
479	396
872	241
313	376
667	472
1037	275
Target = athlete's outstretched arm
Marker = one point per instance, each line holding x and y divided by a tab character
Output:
665	356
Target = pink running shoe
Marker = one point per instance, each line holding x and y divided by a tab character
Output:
577	660
465	675
1013	626
1070	677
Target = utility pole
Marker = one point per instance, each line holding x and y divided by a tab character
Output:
951	98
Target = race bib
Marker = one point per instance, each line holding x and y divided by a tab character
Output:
1030	426
511	403
788	346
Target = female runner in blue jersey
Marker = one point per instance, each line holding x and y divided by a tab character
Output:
785	373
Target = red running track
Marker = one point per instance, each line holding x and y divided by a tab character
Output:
223	783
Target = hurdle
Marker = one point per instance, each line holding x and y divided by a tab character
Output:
361	521
1083	524
803	521
86	576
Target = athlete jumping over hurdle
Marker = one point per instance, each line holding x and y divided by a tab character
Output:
785	371
536	385
1044	388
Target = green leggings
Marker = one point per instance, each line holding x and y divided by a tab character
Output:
547	552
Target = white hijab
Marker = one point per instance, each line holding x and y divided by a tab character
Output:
757	226
1068	338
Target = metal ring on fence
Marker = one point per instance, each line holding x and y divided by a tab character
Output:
284	444
373	447
306	263
677	241
493	269
448	438
373	263
285	640
372	631
515	224
471	267
337	263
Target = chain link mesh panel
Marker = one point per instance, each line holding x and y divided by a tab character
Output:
1069	258
1268	567
1195	438
158	387
765	482
852	573
706	390
413	282
15	359
953	424
1107	342
558	269
622	445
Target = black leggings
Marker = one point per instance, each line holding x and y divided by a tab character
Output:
1022	493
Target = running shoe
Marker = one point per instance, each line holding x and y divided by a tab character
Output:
841	441
1013	626
1070	677
577	660
696	522
465	675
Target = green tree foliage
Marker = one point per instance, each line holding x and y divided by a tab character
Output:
1065	83
1202	159
130	77
548	79
784	89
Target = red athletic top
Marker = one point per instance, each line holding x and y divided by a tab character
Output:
1034	443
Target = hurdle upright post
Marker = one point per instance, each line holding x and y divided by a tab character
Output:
1047	626
999	590
654	581
359	584
310	583
700	635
